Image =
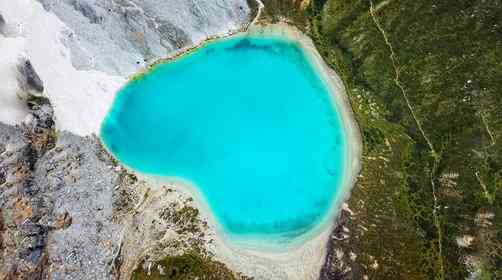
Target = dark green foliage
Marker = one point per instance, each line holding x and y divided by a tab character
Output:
186	219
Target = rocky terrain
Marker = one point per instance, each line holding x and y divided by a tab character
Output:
120	36
69	211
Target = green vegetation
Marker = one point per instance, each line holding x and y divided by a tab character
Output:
185	219
424	78
189	266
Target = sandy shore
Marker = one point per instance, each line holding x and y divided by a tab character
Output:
303	258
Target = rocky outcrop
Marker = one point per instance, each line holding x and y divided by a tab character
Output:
28	79
2	24
55	197
93	14
25	227
70	211
119	37
339	263
78	178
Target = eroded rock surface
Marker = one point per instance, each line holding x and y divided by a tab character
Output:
70	211
119	36
26	216
2	23
28	77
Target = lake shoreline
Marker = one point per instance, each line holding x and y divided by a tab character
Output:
303	258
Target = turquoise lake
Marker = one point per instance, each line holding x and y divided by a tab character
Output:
249	123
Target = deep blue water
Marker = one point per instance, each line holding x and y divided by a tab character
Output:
248	122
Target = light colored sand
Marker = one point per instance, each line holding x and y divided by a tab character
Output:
303	259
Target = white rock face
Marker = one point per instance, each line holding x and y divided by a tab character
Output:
84	50
118	36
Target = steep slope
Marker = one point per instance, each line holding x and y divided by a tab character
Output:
424	80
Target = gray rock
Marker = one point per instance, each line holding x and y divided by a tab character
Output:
22	201
19	209
42	115
89	11
28	77
172	36
76	181
119	37
2	24
3	175
49	211
71	213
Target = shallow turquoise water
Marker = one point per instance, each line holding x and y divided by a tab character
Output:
249	123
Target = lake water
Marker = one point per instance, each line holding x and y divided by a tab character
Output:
249	123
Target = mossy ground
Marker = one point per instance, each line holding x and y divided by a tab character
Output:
193	262
189	266
447	55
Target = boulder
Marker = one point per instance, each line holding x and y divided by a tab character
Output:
2	21
2	24
29	79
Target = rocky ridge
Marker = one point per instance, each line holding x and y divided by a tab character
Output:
118	37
